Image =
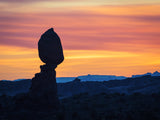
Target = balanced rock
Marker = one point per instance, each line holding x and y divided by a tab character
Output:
50	48
43	91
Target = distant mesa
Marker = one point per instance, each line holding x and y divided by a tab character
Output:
156	73
90	77
50	48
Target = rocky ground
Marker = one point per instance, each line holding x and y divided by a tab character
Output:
90	107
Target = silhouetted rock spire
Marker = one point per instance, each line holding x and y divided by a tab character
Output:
44	87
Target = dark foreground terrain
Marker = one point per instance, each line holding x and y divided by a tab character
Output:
128	99
85	107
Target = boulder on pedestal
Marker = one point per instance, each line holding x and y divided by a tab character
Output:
50	48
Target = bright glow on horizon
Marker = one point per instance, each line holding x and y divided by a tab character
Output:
24	63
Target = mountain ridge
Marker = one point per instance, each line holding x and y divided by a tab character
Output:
145	84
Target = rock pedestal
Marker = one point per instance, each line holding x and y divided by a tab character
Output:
43	90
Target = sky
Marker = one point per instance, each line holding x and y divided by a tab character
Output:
99	37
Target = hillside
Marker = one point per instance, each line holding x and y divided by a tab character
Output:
144	84
100	106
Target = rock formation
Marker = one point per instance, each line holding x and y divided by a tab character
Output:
50	48
43	89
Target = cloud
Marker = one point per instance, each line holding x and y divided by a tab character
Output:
151	18
19	1
32	1
16	42
81	30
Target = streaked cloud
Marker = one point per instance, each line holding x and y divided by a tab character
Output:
19	1
151	18
88	31
113	2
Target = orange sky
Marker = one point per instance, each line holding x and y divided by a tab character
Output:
120	38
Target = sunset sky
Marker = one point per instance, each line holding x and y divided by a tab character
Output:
104	37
